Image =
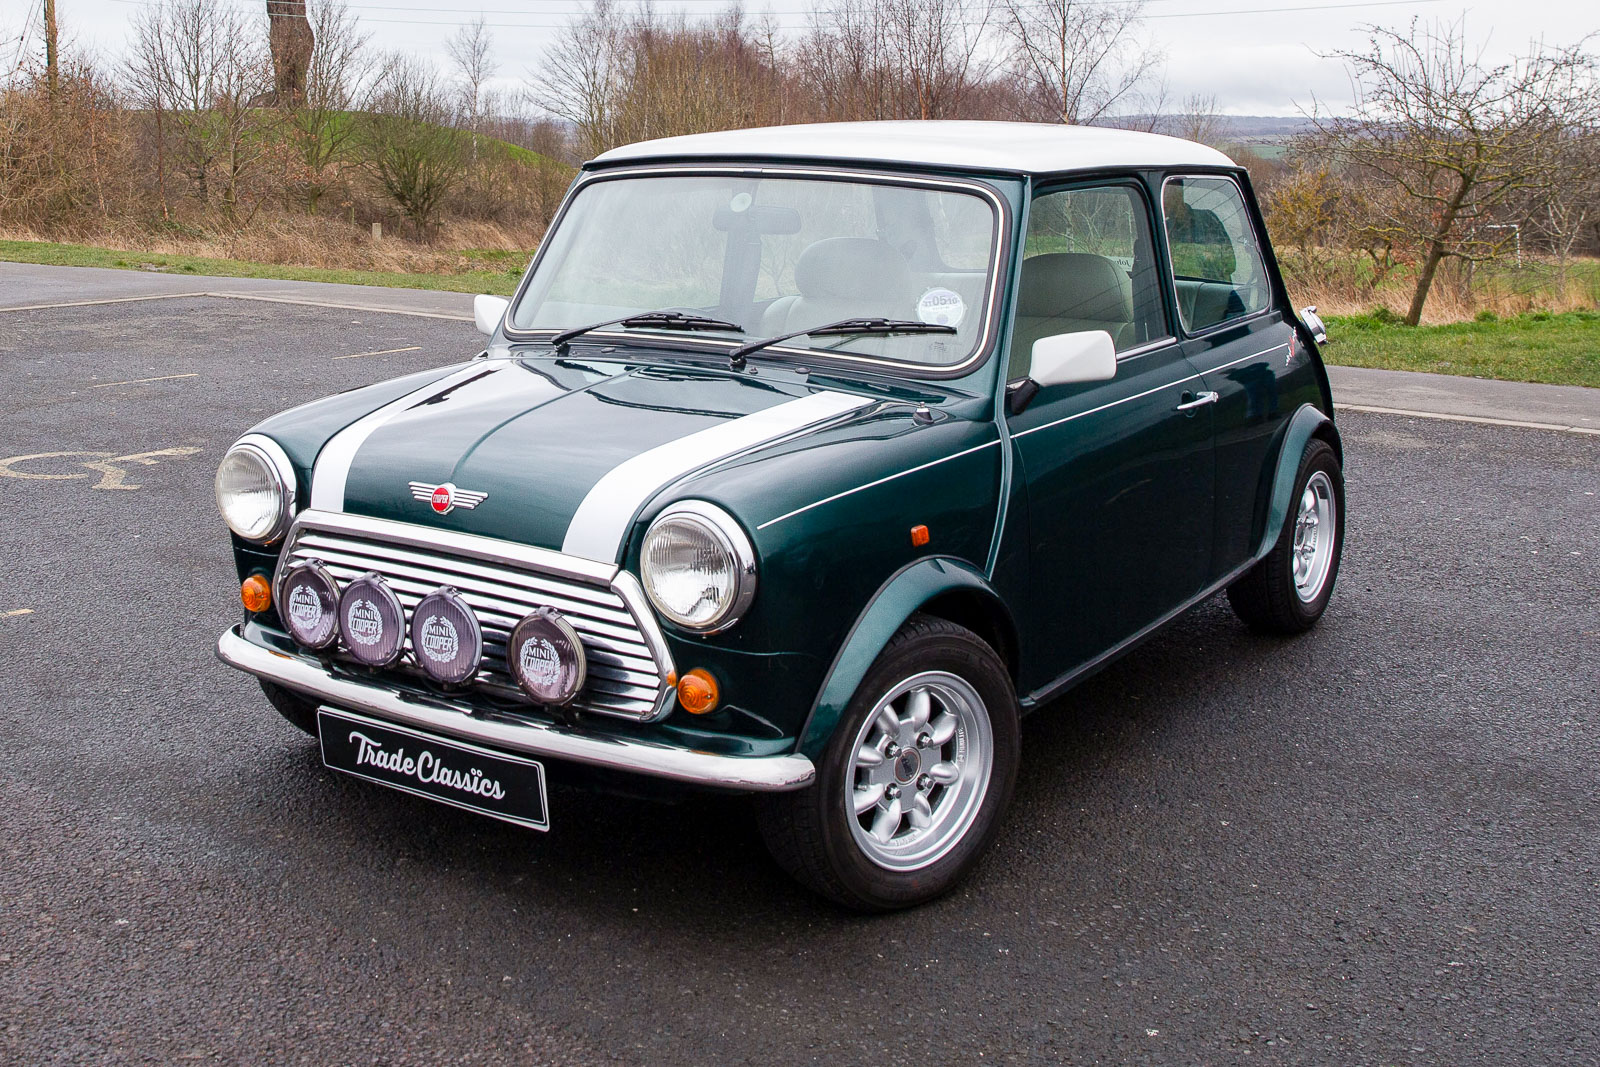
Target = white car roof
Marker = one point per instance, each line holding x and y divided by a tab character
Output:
1023	147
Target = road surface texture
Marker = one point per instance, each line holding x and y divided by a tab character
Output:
1375	844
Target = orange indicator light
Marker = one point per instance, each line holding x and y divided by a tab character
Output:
919	536
697	692
256	592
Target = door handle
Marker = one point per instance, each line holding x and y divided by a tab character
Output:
1200	401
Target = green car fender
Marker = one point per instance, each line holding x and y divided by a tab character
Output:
908	590
1307	422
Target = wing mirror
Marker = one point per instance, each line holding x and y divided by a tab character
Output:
1064	359
487	311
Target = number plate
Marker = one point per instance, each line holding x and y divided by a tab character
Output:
465	776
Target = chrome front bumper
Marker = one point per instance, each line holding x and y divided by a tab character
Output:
757	774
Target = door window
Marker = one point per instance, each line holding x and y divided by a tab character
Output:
1219	269
1088	264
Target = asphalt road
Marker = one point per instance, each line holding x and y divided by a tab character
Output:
1376	844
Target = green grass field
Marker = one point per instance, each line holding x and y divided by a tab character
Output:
1557	349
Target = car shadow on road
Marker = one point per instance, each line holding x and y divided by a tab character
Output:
701	855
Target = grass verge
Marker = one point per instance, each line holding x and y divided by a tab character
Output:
1540	346
1558	349
485	275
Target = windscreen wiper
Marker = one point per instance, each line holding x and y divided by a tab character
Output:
656	320
839	329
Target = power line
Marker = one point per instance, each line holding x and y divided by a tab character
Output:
579	12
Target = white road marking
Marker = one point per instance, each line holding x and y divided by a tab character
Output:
244	296
111	475
601	523
1480	419
109	300
14	612
383	352
141	381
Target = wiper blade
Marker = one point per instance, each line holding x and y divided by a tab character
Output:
658	320
838	329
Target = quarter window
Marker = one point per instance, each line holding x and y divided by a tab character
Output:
1219	269
1088	264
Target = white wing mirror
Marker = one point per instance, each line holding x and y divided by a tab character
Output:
487	311
1064	358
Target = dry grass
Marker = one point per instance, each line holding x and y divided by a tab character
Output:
306	241
1337	284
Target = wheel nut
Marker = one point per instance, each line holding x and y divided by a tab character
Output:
892	792
925	783
924	739
891	750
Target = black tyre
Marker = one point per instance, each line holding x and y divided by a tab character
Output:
292	706
1287	592
910	790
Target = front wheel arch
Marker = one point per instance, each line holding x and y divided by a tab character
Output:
956	591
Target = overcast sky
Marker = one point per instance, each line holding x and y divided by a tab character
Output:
1257	56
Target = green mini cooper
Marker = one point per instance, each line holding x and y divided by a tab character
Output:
803	462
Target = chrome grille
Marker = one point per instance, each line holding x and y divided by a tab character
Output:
627	666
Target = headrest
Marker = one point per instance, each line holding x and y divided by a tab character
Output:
843	268
1074	285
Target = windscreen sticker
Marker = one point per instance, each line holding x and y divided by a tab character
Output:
942	307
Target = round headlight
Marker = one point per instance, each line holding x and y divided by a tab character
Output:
698	567
255	489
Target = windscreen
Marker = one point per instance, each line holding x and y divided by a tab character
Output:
774	255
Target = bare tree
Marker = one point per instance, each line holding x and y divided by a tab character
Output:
471	52
414	153
894	59
1078	61
580	79
320	122
1460	138
1194	119
202	64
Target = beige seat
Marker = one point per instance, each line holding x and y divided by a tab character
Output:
1065	292
843	278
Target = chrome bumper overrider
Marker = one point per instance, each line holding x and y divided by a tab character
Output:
761	774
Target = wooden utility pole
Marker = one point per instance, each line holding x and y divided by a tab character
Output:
50	45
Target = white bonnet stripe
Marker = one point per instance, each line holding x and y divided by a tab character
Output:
602	521
333	462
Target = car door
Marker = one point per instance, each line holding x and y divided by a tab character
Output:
1118	474
1236	338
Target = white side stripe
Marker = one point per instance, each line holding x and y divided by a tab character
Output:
874	485
333	462
602	521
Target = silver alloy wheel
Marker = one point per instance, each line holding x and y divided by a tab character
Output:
1314	537
919	770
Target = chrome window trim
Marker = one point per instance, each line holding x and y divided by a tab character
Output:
981	351
737	543
277	461
1172	274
